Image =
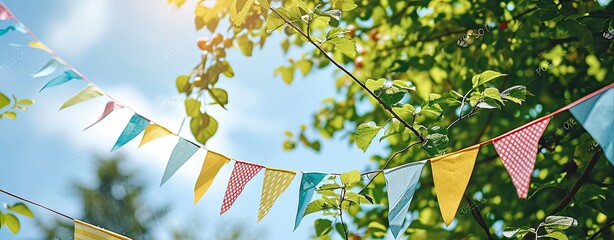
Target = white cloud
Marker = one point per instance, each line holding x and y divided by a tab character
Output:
85	23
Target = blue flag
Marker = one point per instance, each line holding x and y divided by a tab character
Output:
7	29
181	153
48	69
135	126
401	183
61	79
596	116
309	181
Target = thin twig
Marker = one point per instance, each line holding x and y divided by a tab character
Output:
381	102
345	231
478	217
601	230
581	180
388	162
36	204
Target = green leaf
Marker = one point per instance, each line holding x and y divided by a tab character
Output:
329	186
405	111
21	209
488	104
405	85
304	65
340	228
220	96
227	69
323	226
516	94
350	178
365	134
265	4
24	102
12	222
287	73
556	235
558	223
334	33
239	10
192	107
485	77
356	198
4	100
493	93
510	232
318	205
245	45
177	3
274	21
390	96
438	140
344	45
183	83
10	115
344	5
373	85
203	127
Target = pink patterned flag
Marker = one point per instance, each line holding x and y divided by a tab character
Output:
5	14
518	151
241	174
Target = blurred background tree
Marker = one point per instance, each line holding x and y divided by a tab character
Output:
556	50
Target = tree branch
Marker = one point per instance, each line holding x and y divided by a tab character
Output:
388	108
581	180
388	162
601	230
475	211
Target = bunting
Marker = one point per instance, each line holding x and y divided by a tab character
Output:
41	46
49	68
211	166
152	132
309	182
595	115
61	79
275	182
6	30
110	107
451	174
135	126
5	14
518	150
401	183
181	153
241	174
89	92
85	231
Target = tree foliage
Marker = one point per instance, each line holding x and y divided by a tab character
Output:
440	76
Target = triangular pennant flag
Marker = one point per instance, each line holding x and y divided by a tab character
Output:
85	231
518	151
5	14
50	67
181	153
61	79
211	166
401	183
153	132
275	182
135	126
451	174
595	115
89	92
241	174
110	107
309	181
40	45
6	30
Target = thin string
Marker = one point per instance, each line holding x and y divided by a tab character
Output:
55	55
36	204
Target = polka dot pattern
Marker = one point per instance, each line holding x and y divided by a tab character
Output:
275	183
241	174
518	151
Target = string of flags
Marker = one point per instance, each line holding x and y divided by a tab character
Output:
451	172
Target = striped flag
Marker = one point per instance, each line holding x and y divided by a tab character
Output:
85	231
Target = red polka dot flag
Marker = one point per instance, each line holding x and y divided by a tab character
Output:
241	174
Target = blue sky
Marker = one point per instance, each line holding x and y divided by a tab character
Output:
122	46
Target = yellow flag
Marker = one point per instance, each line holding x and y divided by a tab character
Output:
212	165
89	92
152	132
41	46
451	173
84	231
275	182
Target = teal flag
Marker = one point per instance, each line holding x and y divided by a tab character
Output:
135	126
48	69
401	183
309	181
596	115
6	30
61	79
181	153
